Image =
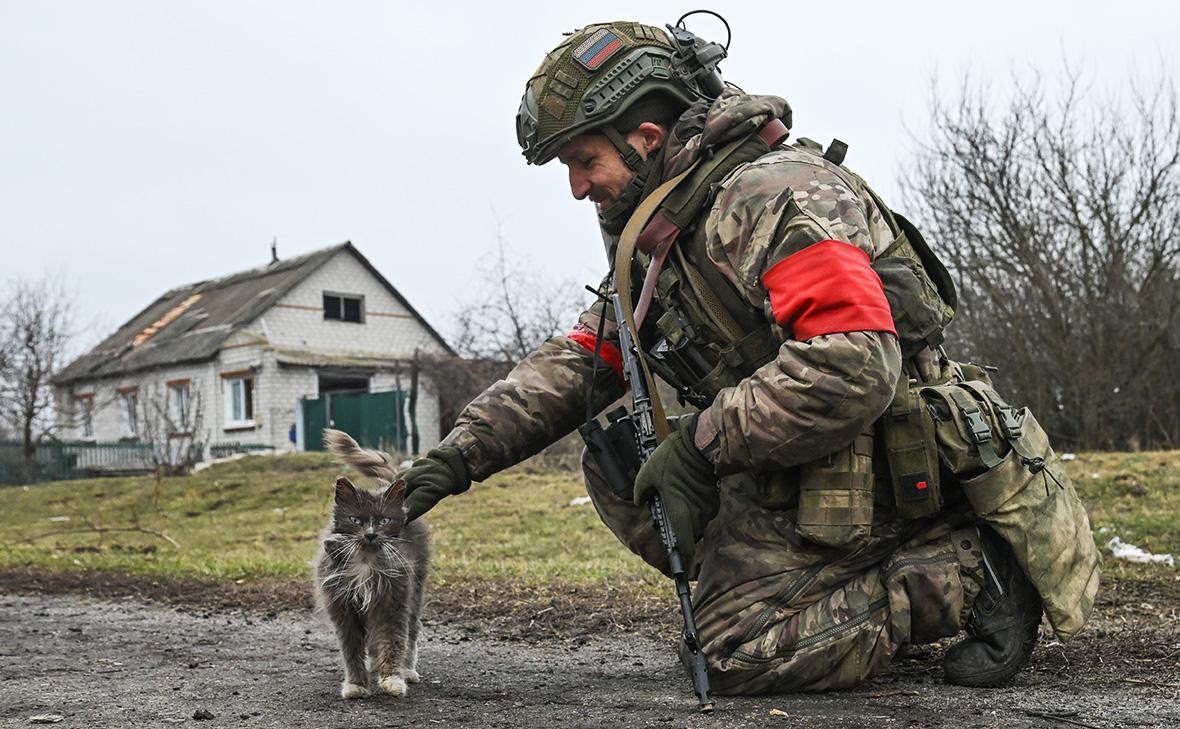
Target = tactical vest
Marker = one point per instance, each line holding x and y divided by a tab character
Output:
709	337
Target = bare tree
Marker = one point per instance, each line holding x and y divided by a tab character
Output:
1059	215
514	310
171	421
36	321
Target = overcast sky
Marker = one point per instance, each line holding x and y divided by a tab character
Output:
144	145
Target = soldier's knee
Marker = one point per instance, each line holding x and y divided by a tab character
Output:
932	586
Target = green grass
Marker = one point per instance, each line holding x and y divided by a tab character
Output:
258	518
1135	496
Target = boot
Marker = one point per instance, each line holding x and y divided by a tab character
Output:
1003	624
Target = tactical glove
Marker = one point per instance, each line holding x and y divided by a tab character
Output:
441	472
687	485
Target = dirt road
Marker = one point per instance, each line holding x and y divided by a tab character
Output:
121	663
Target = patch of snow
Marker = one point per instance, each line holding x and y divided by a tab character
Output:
1131	553
1069	456
59	518
579	501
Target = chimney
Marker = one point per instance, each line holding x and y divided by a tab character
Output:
274	249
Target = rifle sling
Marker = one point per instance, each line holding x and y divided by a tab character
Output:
623	253
659	239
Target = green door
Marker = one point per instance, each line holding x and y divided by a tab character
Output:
384	421
315	419
346	412
374	419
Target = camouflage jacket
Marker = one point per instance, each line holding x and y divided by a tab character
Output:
813	398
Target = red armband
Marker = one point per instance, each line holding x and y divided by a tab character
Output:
608	352
827	288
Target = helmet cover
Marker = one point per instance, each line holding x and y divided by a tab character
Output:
590	80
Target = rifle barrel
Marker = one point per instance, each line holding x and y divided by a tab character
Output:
642	415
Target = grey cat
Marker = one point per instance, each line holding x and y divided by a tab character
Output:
370	573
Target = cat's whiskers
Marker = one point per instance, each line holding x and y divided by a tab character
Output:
391	568
401	558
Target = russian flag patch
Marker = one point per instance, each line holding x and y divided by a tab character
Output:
597	49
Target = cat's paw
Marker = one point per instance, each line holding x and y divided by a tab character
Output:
393	685
353	691
410	675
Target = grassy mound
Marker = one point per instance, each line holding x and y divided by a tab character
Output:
258	518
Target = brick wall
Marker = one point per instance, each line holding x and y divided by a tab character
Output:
109	421
297	321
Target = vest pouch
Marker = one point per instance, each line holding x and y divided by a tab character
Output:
1031	503
1015	482
919	313
963	429
912	452
836	496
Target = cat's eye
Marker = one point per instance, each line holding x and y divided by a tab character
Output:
385	521
355	520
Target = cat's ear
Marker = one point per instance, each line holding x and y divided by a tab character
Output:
395	490
345	491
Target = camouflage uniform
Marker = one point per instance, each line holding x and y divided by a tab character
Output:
775	611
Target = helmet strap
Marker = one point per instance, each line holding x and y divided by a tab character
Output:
631	156
614	217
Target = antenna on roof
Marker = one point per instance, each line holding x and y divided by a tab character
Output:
274	249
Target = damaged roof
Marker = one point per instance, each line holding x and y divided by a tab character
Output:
190	323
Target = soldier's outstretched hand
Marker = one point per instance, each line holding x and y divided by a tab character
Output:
687	485
441	472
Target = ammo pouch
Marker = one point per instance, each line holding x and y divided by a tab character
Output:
912	452
615	449
1016	483
836	495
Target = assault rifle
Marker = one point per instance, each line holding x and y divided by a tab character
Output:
619	451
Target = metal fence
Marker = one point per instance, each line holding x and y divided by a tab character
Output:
221	450
59	461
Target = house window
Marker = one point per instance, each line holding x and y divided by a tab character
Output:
85	410
179	406
239	400
343	307
129	404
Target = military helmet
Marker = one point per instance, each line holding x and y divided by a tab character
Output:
592	80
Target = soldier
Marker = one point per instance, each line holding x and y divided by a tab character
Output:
820	549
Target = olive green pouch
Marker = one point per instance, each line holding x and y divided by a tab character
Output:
1016	483
912	452
836	496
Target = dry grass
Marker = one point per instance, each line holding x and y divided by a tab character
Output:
257	519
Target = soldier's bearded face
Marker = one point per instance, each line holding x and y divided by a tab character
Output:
596	169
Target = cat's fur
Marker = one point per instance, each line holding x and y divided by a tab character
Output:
370	573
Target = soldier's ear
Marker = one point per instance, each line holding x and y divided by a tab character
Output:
647	138
345	491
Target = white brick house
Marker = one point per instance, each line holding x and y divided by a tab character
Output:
247	351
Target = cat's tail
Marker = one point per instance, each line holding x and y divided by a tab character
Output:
374	464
